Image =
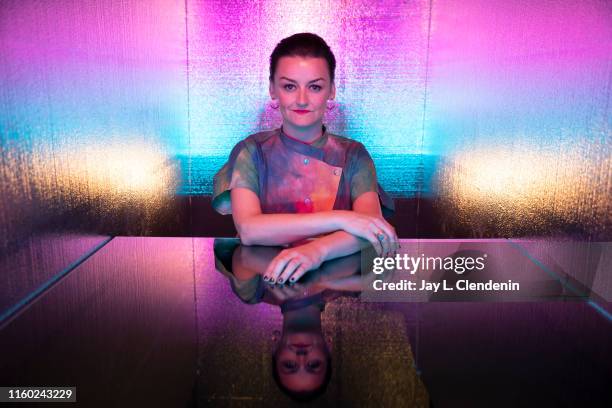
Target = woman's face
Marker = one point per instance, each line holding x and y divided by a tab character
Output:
302	86
301	361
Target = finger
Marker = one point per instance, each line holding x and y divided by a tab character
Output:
267	275
298	287
279	293
279	261
385	242
291	291
276	267
369	235
298	273
375	242
390	237
288	270
397	246
291	264
386	229
393	233
381	239
284	291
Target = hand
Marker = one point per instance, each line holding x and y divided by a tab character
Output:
379	232
292	263
283	293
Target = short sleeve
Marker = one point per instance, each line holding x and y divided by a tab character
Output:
363	179
239	171
363	174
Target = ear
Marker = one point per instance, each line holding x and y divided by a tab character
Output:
271	89
332	94
330	343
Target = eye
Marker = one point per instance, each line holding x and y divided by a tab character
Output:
316	88
288	87
313	365
289	365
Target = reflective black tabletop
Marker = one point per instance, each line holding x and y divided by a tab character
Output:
190	322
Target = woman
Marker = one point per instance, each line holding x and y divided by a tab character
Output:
300	181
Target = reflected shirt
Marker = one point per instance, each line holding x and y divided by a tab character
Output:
290	176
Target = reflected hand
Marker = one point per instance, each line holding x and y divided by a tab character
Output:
292	263
379	232
284	293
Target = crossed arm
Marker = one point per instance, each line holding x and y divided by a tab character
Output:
345	229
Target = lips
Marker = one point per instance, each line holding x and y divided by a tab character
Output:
301	112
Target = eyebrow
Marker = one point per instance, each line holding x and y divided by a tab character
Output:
310	82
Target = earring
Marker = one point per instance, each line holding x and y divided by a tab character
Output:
274	104
276	335
331	105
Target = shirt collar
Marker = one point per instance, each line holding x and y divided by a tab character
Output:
314	149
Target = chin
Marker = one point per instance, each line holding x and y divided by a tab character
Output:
304	123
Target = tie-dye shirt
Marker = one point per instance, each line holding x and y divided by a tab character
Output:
290	176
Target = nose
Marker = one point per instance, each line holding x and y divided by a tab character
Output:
302	99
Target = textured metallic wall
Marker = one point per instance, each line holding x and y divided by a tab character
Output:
498	111
92	106
519	107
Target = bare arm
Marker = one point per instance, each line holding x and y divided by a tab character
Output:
256	228
341	243
291	264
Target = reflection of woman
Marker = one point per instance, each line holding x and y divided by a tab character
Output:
245	265
301	361
300	181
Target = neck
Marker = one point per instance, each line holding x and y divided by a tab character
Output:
304	134
305	319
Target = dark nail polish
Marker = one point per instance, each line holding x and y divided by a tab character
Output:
280	281
265	278
292	279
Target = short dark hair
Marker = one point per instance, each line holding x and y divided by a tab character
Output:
303	396
303	45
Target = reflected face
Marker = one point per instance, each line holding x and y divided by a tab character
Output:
301	361
302	86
